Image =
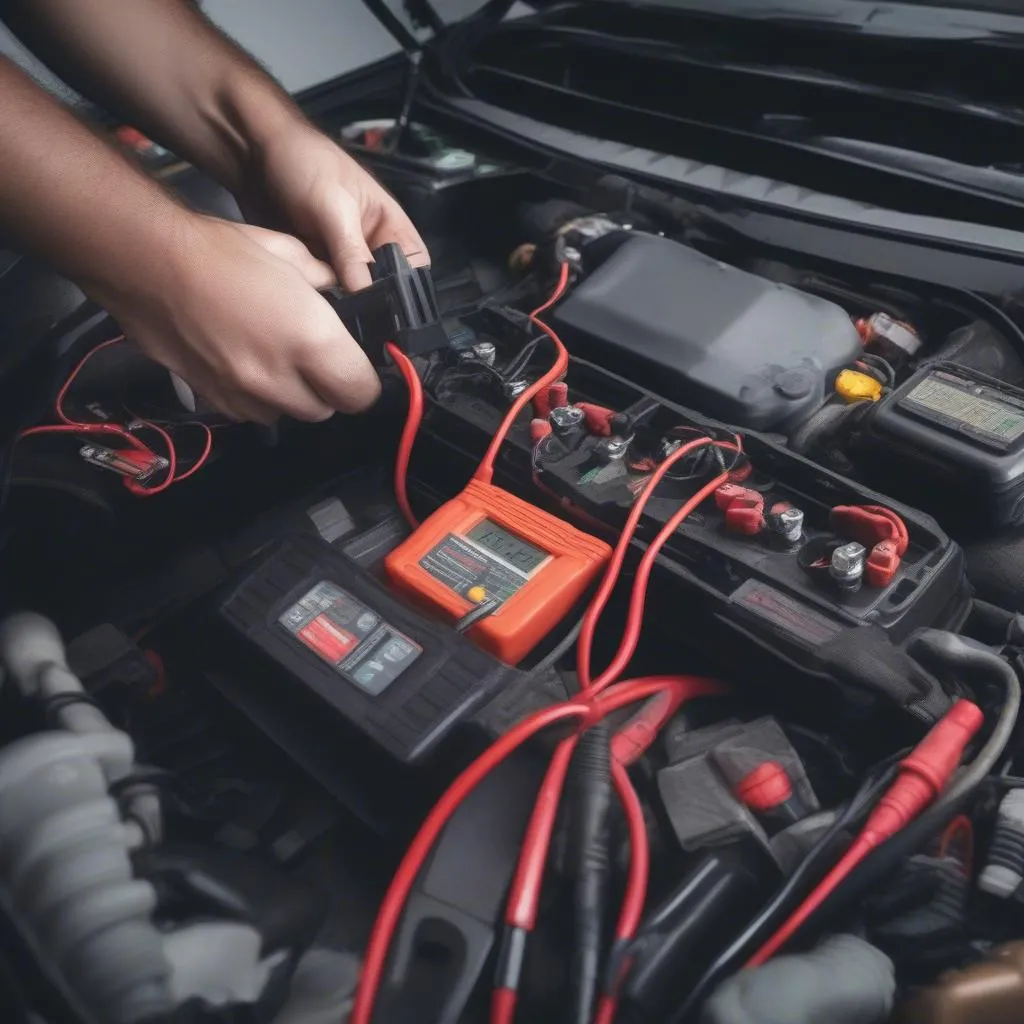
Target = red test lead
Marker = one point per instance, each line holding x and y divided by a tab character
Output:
923	775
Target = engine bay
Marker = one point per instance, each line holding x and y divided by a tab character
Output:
671	574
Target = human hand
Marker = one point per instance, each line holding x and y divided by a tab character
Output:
238	317
306	183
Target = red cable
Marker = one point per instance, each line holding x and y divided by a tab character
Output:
204	455
87	428
409	431
503	1006
635	896
639	859
524	893
611	576
404	878
638	597
485	471
853	856
62	394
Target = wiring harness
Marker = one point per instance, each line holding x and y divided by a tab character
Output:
602	758
133	449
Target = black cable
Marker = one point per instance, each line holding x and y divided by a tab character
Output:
562	648
394	139
782	903
475	615
1006	781
589	837
519	362
939	648
881	363
876	373
703	460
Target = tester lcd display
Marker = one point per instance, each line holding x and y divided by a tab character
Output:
488	545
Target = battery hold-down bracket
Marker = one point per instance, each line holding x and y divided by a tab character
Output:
400	306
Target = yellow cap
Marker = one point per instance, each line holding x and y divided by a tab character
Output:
477	595
854	386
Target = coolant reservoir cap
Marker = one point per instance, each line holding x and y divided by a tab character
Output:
795	384
854	386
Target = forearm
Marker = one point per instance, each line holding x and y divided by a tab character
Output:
164	68
73	201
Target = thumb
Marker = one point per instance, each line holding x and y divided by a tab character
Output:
342	227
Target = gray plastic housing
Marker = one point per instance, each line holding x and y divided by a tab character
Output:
705	334
842	981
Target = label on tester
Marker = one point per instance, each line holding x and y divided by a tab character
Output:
352	638
488	559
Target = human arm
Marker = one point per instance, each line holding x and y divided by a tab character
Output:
243	326
165	68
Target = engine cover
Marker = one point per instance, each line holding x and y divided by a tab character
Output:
727	343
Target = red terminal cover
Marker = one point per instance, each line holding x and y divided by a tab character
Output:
882	564
597	418
743	508
552	397
558	394
880	530
870	524
539	429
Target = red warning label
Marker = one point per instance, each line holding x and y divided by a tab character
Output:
350	637
328	639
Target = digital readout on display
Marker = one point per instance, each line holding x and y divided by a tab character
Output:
508	547
984	414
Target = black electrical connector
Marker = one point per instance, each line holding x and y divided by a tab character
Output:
399	306
589	837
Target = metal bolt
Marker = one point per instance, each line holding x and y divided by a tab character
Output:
514	388
668	446
572	255
485	352
847	565
565	419
787	525
612	449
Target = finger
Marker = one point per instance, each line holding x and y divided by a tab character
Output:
241	408
285	247
392	224
343	235
303	402
338	371
318	273
291	396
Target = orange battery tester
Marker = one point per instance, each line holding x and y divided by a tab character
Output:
487	544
